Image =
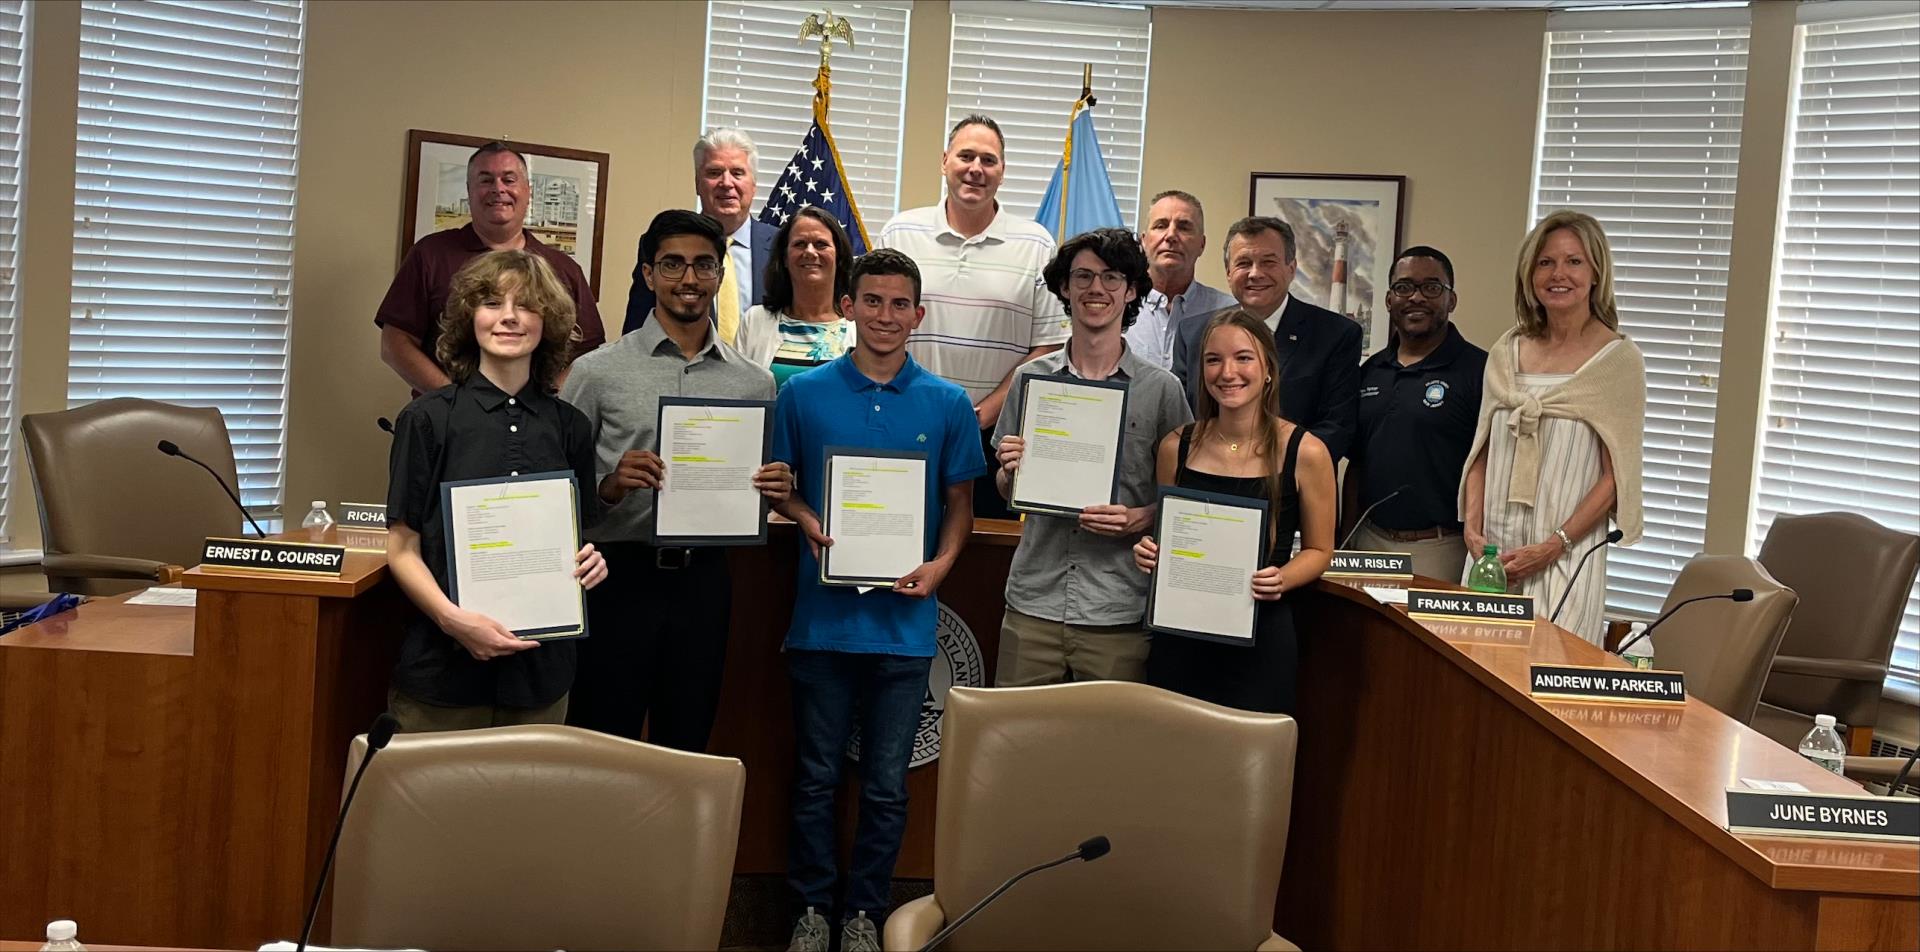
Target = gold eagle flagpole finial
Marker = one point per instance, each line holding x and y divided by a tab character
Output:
828	28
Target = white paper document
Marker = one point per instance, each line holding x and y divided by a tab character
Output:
1072	430
711	452
876	515
1203	584
510	545
168	595
1385	595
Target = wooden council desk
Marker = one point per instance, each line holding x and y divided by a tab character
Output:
170	776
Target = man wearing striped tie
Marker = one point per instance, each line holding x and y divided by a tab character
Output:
723	161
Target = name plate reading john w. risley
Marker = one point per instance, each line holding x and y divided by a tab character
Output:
1371	564
1470	606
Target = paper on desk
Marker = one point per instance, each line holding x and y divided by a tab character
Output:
1781	786
183	597
1386	596
285	946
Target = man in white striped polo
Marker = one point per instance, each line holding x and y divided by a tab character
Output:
988	307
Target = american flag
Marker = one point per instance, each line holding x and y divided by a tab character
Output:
814	177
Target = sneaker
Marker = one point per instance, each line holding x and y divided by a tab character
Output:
810	933
859	935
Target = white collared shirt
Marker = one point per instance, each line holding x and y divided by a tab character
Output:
1153	331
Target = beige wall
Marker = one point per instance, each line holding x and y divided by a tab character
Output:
1232	92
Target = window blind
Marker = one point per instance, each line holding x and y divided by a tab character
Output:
1841	429
186	152
760	79
1020	63
1641	129
13	133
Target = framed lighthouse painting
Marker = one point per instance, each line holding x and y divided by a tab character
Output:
1346	231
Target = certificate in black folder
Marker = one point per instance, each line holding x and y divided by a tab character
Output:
874	508
710	449
510	552
1210	546
1073	430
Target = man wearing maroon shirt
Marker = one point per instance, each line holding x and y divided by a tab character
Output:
498	189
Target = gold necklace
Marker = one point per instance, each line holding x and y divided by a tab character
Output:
1232	446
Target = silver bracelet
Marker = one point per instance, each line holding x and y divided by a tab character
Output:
1562	533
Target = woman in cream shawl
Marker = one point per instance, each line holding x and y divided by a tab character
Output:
1557	449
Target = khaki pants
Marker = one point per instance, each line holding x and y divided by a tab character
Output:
416	715
1036	651
1444	558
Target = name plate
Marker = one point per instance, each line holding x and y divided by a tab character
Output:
260	555
1823	814
364	515
1371	564
1608	684
1470	606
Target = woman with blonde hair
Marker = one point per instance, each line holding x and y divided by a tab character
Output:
1239	445
1557	448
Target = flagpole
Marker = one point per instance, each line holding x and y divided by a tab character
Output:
827	30
1066	152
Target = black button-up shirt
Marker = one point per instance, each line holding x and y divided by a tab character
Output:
473	430
1416	426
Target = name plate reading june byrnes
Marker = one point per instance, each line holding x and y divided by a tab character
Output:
1777	813
1470	606
260	555
364	515
1371	564
1631	685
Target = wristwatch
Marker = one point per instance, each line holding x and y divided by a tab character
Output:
1562	533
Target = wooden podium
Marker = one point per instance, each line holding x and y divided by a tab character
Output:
171	775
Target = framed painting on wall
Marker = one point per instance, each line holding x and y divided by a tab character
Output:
1346	230
568	189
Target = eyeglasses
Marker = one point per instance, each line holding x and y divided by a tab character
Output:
1082	279
1428	289
706	269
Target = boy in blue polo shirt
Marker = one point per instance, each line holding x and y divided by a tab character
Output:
869	652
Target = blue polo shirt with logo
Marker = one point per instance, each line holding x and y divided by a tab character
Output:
837	405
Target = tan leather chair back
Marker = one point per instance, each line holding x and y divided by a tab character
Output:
1725	647
536	837
1854	577
1194	797
104	489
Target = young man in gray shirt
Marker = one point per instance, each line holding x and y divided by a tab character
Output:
1075	601
659	630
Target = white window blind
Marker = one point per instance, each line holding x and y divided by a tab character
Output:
187	141
760	79
13	133
1842	424
1641	129
1020	64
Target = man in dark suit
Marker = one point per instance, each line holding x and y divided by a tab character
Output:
723	176
1319	351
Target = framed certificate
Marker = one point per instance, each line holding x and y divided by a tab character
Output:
874	508
1210	546
510	547
1073	430
710	449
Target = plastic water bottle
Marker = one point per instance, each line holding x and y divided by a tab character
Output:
1487	574
1640	653
1822	745
317	517
60	937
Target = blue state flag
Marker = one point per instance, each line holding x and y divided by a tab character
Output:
1090	202
815	177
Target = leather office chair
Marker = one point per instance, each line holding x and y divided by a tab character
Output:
1195	798
536	837
116	515
1853	577
1725	647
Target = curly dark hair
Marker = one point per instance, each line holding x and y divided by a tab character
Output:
534	285
780	284
1119	250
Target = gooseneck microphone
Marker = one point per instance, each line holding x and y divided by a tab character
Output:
1612	537
1901	777
1088	851
385	424
377	737
1737	595
171	449
1364	513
